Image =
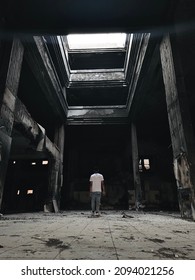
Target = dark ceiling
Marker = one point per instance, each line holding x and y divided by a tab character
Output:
67	16
48	17
44	17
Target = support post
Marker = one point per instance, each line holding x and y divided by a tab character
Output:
59	141
7	106
53	187
135	160
56	173
182	138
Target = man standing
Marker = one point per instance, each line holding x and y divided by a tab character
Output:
96	189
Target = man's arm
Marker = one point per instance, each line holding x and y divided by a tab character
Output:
103	187
90	186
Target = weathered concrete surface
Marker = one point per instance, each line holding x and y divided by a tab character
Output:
115	235
112	76
181	131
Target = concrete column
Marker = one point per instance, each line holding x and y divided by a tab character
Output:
7	106
135	160
59	141
56	173
182	138
53	186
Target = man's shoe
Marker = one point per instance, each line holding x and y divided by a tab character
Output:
92	215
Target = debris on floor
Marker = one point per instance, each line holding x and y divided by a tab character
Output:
71	235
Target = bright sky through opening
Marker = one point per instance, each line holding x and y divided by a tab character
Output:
93	41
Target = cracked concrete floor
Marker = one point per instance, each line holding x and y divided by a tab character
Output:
113	236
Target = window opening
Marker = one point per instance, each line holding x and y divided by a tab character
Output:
29	191
144	164
147	164
140	166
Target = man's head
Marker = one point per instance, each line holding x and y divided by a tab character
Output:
96	169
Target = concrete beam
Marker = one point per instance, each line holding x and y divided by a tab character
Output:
97	76
33	131
139	56
40	62
97	115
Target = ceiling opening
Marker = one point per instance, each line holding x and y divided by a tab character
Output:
97	41
96	66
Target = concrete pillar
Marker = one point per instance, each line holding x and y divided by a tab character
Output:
182	138
59	141
135	160
56	173
7	106
53	186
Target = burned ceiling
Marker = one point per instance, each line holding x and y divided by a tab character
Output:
95	79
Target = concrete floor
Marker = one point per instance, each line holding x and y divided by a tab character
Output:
113	236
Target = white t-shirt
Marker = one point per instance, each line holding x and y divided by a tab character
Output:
96	180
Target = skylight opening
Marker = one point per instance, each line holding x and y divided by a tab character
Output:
96	41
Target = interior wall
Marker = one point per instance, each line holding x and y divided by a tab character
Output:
109	147
86	147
